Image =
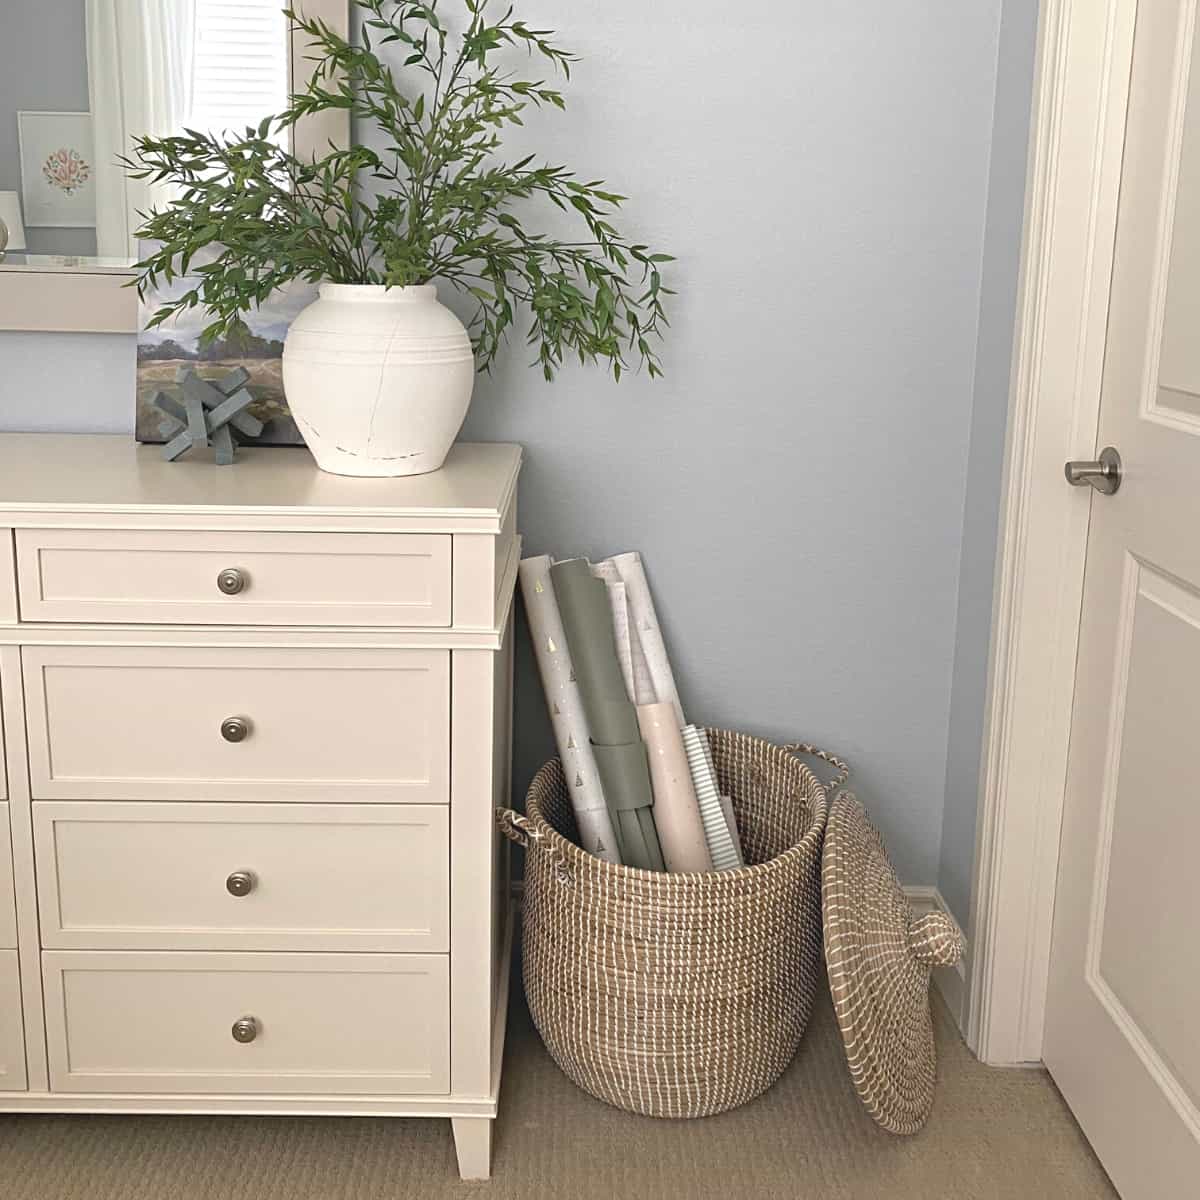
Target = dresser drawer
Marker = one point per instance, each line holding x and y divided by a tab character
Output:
243	876
8	900
182	577
12	1028
151	723
317	1023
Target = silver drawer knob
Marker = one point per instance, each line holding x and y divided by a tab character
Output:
245	1030
241	883
232	580
235	729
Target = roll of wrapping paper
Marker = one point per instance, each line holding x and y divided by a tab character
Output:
642	654
731	822
716	832
567	716
726	802
612	718
638	684
676	814
646	628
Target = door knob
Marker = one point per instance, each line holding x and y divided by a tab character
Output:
1104	474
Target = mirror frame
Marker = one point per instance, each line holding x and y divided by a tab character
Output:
94	299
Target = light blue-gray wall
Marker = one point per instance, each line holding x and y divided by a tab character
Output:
989	414
43	68
798	482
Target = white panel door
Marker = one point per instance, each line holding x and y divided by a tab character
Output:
1124	997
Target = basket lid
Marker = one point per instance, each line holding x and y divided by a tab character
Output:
879	958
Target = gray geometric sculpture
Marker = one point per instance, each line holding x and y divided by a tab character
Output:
213	410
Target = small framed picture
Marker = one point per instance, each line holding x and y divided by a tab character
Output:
58	169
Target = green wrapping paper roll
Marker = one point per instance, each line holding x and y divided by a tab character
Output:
612	718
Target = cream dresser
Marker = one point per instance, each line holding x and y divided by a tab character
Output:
256	720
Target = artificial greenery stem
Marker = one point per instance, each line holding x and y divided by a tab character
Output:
434	202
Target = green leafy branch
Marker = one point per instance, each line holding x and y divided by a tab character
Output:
253	216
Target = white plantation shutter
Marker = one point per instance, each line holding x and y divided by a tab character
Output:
240	70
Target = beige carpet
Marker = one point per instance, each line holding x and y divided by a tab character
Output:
993	1135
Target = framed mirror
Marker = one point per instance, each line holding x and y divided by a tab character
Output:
83	79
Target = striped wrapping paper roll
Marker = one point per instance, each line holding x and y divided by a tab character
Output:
721	847
731	821
726	801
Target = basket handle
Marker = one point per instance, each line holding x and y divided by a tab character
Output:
525	833
841	766
516	828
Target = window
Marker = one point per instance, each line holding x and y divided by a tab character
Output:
241	65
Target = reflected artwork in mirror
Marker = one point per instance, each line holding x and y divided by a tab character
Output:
80	79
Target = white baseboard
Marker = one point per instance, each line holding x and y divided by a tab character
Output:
951	982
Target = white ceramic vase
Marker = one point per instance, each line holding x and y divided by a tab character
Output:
378	379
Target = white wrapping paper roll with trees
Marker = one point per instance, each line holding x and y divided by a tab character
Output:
644	630
631	656
566	710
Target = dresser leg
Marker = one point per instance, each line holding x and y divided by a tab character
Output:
473	1144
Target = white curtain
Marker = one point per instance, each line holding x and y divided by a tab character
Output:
140	69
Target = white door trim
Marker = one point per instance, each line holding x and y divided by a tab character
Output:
1078	131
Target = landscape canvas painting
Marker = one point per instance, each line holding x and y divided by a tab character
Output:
167	350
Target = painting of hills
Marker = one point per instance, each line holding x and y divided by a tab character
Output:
258	346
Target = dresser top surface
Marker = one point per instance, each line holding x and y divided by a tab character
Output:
111	473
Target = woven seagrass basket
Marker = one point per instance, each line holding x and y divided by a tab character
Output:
678	995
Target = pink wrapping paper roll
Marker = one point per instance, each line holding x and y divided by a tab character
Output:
676	813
